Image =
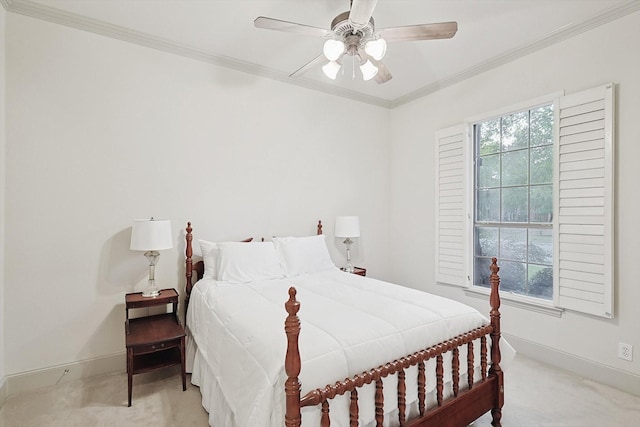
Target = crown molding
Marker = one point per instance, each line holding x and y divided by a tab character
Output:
565	33
57	16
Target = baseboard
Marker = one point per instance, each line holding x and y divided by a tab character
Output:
3	391
33	380
625	381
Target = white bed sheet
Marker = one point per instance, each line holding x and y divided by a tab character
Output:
237	344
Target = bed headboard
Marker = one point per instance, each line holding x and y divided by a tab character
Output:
198	267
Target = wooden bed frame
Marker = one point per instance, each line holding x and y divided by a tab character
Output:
459	410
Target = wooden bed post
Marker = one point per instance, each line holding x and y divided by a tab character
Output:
292	362
495	369
188	267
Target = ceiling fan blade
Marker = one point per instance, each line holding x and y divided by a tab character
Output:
318	60
440	30
361	11
290	27
383	75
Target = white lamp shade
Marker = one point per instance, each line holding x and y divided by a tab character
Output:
368	70
332	49
376	48
331	69
151	235
347	226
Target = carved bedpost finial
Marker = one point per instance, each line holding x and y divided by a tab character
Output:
292	364
319	232
292	305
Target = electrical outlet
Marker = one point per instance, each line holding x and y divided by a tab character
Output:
625	351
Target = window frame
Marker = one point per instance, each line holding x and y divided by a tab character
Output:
472	200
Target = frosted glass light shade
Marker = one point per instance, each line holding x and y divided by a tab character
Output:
151	235
376	48
347	226
331	69
333	49
369	70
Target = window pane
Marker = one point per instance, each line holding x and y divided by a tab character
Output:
541	204
513	276
541	246
540	281
541	128
515	131
515	204
489	171
542	165
489	134
486	241
488	205
515	168
482	271
513	244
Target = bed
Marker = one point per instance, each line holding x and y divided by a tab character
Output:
355	351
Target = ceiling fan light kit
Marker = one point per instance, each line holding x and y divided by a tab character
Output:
333	49
369	70
330	69
376	48
353	33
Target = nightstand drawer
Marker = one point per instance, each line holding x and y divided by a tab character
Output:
151	348
153	329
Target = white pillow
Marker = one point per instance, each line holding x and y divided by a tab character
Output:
248	262
300	255
210	258
209	252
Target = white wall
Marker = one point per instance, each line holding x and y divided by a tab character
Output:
2	191
605	54
101	132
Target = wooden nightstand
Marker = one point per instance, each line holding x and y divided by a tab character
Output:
154	342
357	270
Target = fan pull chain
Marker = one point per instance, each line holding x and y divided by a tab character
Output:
353	68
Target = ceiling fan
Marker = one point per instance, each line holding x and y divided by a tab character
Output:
353	33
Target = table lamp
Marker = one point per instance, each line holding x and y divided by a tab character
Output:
151	236
348	227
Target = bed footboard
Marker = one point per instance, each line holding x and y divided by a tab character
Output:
465	405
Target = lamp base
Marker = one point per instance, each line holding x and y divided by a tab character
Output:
349	267
151	293
152	290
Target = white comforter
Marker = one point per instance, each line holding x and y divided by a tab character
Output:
349	324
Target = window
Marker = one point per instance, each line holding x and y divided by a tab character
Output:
534	187
513	204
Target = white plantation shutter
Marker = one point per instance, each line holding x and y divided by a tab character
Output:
583	267
450	206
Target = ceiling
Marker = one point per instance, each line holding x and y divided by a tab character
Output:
490	33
